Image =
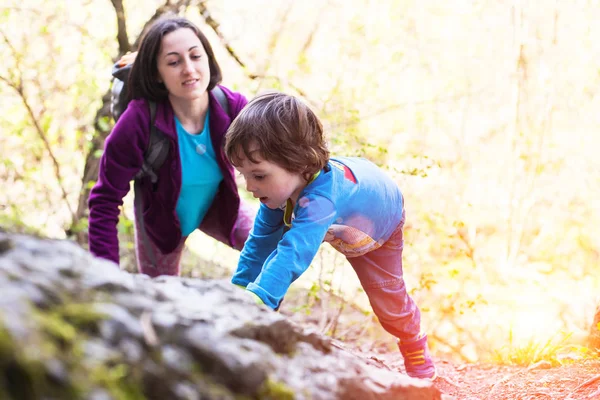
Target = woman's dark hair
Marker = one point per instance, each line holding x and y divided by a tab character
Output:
143	79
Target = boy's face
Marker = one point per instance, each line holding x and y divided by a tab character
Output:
269	182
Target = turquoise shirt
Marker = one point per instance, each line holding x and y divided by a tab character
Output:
351	204
200	176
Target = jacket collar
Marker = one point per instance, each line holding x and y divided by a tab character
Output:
165	117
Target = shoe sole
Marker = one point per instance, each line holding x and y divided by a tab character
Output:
431	379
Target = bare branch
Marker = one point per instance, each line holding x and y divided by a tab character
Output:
210	21
281	80
398	106
18	87
216	27
176	8
21	9
122	37
42	135
101	119
277	33
9	82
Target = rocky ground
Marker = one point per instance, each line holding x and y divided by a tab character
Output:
73	327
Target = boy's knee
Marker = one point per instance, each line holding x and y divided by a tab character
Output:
384	285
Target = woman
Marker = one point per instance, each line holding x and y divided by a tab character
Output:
176	69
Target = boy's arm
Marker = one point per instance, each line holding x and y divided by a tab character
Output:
295	250
262	240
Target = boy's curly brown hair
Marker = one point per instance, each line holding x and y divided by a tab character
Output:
281	129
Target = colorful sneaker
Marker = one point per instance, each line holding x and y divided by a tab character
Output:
417	361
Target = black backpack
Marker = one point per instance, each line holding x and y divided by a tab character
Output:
158	145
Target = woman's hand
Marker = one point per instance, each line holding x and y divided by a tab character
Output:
127	59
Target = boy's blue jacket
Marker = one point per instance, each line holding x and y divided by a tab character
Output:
352	204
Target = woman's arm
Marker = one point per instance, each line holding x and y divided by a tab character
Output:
122	158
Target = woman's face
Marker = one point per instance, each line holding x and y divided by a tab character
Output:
183	65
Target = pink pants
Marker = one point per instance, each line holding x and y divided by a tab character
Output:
151	261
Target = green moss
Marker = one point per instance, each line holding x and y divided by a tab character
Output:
119	381
24	377
275	390
65	322
6	344
59	334
81	316
53	325
65	328
216	390
6	356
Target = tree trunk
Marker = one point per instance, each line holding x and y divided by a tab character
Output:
103	121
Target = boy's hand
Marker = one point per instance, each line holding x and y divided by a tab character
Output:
127	59
255	297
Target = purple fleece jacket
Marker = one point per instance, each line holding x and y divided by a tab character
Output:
122	159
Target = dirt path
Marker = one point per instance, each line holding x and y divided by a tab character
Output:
573	381
579	380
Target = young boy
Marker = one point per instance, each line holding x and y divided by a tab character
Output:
277	144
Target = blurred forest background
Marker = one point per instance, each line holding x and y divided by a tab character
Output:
485	112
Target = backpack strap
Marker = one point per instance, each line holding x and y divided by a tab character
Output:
157	152
154	157
220	96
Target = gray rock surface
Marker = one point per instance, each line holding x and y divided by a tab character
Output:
76	327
